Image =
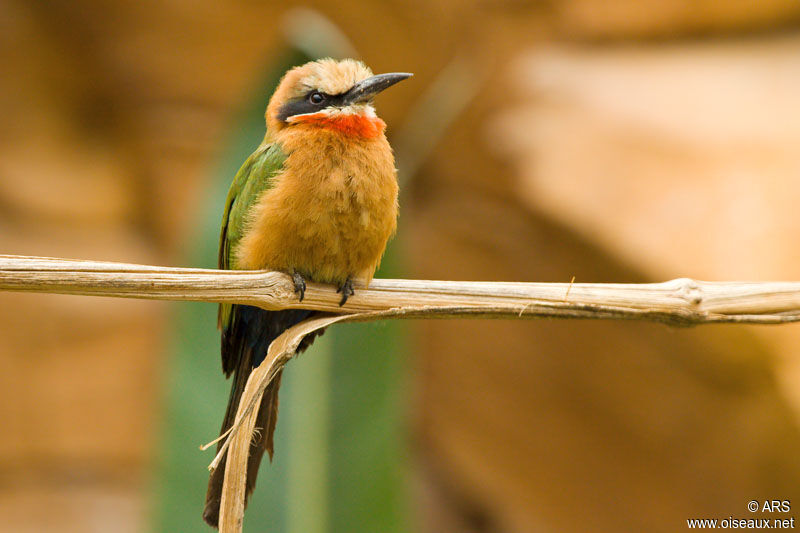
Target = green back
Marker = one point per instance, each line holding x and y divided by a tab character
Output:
252	179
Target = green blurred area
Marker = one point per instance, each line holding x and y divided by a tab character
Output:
340	453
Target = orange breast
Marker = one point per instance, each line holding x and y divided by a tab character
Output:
333	208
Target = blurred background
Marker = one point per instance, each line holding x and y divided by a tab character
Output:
613	141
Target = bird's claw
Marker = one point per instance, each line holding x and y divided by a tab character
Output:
299	285
347	291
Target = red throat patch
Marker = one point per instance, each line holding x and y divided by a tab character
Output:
349	124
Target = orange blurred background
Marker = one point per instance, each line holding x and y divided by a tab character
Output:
612	141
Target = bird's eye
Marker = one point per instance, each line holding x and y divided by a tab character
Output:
316	98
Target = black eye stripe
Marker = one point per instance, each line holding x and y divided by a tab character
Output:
303	104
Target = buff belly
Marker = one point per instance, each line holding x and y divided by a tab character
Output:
330	222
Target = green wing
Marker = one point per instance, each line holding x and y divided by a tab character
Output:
247	331
254	177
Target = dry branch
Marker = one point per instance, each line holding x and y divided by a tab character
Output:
680	302
677	302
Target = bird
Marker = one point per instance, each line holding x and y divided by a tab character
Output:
317	200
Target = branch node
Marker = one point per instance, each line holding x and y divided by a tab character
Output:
690	291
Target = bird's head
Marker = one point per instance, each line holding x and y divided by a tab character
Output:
331	94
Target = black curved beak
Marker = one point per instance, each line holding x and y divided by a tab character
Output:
366	89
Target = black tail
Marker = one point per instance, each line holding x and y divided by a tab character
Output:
244	346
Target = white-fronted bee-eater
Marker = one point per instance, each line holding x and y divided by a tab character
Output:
316	200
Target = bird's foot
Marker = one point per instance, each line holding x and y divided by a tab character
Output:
347	291
299	285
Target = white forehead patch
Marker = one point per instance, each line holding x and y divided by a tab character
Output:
334	77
